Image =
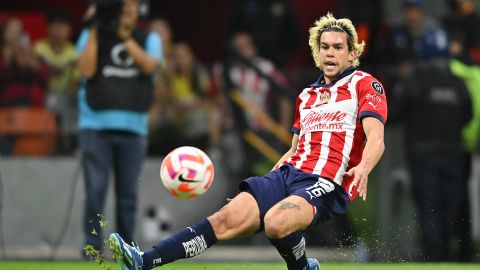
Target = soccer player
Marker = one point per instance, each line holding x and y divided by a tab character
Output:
337	141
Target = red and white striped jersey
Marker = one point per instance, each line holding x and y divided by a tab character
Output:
328	122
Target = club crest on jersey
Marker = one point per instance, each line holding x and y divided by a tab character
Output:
324	96
377	87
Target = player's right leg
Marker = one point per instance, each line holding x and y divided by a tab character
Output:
238	218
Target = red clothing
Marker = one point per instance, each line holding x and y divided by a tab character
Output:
328	122
21	86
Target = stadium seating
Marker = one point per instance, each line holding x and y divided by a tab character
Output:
34	130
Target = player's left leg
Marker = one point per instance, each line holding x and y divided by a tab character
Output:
310	202
284	226
290	215
240	217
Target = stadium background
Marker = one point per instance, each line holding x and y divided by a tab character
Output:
41	217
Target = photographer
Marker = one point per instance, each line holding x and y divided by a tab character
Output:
117	61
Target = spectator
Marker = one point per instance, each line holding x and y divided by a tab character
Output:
272	25
192	108
418	37
461	67
117	61
435	105
58	54
159	113
22	77
241	71
162	28
462	23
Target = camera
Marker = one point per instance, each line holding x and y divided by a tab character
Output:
107	14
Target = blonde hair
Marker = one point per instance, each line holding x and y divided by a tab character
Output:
329	23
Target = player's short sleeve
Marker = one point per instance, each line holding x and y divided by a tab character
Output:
372	101
296	120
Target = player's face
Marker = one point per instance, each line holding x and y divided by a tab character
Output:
334	54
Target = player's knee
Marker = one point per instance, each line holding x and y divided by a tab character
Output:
219	224
274	227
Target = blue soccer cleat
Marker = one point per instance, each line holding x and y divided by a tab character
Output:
127	256
313	264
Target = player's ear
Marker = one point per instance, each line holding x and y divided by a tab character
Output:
351	56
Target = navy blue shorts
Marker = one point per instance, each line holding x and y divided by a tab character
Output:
329	198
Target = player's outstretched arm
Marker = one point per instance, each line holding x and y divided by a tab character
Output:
374	130
289	153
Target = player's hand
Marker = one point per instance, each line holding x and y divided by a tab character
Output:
360	180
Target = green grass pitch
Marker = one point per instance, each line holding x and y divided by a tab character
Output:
11	265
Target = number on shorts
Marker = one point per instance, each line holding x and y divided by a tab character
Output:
321	187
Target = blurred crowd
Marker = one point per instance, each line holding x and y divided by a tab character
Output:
241	105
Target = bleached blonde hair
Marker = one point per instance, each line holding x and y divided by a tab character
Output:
330	23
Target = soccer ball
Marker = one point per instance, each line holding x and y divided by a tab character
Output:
186	172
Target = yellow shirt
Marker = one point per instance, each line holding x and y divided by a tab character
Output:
182	89
65	73
182	86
